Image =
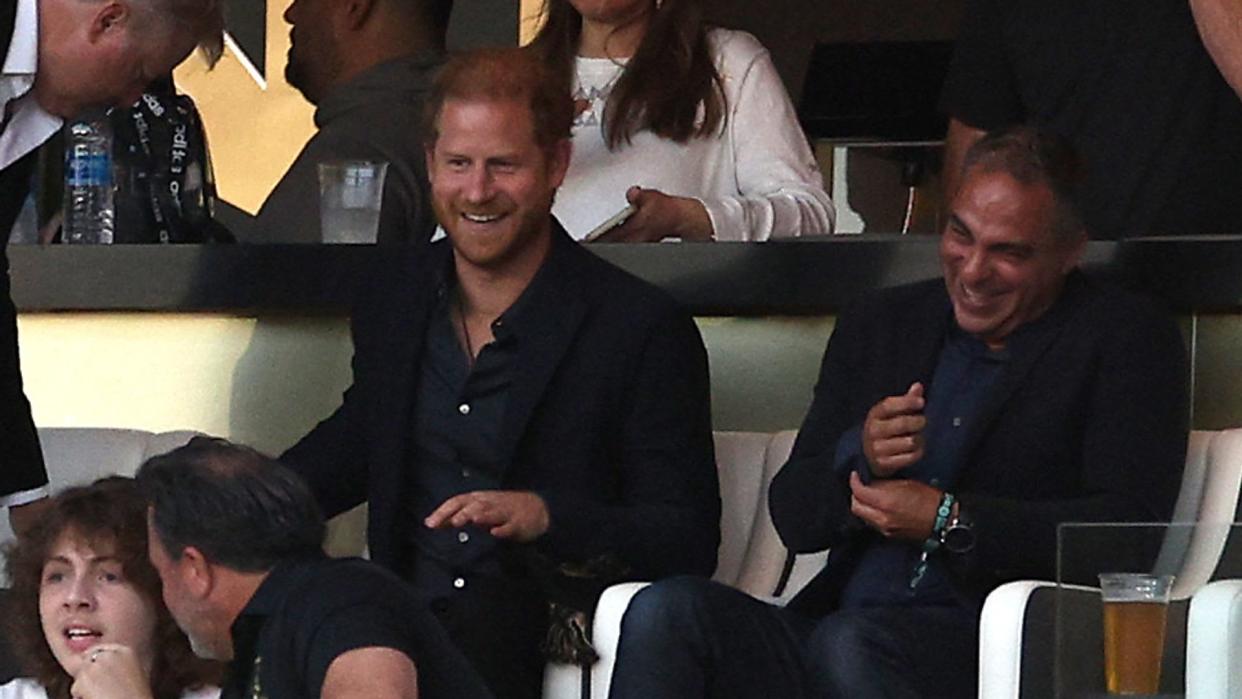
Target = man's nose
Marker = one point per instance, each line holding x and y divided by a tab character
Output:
975	267
479	185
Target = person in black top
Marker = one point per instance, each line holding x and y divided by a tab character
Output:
236	539
1136	86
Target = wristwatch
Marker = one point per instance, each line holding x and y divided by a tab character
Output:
959	536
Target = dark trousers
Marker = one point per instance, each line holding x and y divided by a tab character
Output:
687	637
499	626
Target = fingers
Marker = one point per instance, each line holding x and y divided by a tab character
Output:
439	518
894	454
480	508
902	509
893	431
909	403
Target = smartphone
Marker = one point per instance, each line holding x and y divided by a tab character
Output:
615	220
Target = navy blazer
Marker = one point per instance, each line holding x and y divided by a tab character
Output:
608	417
1088	422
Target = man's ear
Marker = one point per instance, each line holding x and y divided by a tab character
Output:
356	12
108	20
196	572
1078	248
429	155
558	161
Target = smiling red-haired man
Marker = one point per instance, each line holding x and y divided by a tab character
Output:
527	422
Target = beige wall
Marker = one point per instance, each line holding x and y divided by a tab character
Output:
254	130
266	381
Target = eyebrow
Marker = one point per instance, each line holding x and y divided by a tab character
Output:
93	560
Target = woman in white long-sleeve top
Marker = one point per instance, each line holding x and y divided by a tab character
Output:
688	124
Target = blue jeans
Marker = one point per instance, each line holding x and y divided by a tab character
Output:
688	637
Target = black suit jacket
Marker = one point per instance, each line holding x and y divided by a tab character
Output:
1087	423
607	419
21	460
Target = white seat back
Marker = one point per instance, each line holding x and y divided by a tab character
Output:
80	455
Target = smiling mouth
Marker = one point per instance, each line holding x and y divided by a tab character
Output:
482	218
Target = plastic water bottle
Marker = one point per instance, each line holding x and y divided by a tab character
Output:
89	186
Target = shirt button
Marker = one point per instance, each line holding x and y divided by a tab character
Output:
459	583
465	473
957	422
464	408
463	537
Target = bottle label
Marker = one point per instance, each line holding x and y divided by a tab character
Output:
88	170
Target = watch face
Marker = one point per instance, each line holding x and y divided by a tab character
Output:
959	539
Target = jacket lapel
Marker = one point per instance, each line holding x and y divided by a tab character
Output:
546	336
1027	346
416	290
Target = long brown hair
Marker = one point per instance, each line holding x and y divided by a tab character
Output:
664	84
109	513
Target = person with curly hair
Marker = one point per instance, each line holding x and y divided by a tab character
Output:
85	615
689	125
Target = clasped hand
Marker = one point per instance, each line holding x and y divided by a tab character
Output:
892	440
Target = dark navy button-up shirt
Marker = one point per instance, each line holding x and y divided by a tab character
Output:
965	372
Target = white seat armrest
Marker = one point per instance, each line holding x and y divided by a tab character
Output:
561	681
1001	628
1213	636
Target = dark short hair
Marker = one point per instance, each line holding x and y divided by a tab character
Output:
1035	157
108	515
241	509
504	75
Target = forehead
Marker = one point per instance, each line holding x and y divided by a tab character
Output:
992	204
486	123
73	540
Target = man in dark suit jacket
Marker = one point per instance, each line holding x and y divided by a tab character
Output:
86	54
955	424
527	422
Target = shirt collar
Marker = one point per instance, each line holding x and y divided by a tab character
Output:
539	296
23	57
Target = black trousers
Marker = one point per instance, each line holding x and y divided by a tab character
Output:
499	625
686	638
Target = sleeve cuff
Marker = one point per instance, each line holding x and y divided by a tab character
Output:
24	497
849	455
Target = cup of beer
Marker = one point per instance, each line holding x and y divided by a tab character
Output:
1135	613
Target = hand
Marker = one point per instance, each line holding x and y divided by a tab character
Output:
660	216
23	517
508	514
111	670
898	509
892	435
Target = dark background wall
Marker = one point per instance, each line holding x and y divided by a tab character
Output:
790	28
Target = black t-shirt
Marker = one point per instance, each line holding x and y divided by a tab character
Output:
309	612
1131	85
